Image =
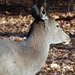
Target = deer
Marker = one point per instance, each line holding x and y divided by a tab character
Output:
28	56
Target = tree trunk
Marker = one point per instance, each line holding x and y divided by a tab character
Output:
33	2
41	3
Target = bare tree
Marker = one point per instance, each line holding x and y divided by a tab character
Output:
41	3
71	2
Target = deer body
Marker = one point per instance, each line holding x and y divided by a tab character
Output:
27	57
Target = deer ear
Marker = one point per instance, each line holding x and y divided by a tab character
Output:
43	14
35	11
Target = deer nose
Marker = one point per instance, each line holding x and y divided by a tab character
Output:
67	40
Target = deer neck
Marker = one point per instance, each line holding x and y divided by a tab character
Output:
38	39
37	46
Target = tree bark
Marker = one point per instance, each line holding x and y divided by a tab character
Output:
33	2
41	3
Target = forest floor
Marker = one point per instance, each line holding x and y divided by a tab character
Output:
61	58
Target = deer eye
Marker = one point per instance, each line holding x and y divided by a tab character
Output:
57	26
